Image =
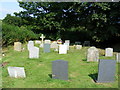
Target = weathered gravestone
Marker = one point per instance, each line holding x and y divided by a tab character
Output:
106	71
86	43
46	48
17	46
92	54
47	41
30	45
37	42
60	70
62	49
16	72
109	52
67	42
78	46
54	45
118	57
77	43
34	52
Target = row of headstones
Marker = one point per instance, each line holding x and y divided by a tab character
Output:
93	54
106	71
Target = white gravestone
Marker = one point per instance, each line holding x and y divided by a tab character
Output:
118	57
42	37
30	44
78	46
67	42
17	46
37	42
109	52
34	52
62	49
54	45
92	54
47	41
16	72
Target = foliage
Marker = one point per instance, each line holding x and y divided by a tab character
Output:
11	34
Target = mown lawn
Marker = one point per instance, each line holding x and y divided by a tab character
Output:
38	70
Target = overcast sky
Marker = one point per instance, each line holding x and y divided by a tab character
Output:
8	7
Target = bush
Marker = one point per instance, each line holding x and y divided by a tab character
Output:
11	34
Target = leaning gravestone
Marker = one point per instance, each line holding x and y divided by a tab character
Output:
60	70
109	52
47	41
78	46
46	48
30	45
118	57
16	72
17	46
92	54
62	49
34	52
86	43
106	71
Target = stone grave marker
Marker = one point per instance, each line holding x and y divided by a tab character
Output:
67	42
92	54
30	45
78	46
77	43
42	37
106	71
60	69
16	72
109	52
34	52
54	45
46	48
86	43
47	41
62	49
37	42
118	57
17	46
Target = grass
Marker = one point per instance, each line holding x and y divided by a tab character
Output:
38	70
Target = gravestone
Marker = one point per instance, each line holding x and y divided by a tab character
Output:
62	49
109	52
67	42
60	70
92	54
34	52
46	48
47	41
17	46
86	43
118	57
77	43
78	46
54	45
16	72
30	45
37	42
106	71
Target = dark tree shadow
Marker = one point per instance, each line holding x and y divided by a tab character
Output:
94	76
50	75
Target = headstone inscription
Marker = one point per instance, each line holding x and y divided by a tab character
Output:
30	45
17	46
46	48
16	72
106	71
60	69
92	54
109	52
118	57
86	43
62	49
34	52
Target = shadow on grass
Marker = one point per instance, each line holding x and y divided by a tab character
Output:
93	76
50	75
84	59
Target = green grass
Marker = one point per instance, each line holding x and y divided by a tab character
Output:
38	70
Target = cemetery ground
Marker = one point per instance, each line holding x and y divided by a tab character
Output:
38	71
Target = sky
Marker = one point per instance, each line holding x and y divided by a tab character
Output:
8	7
